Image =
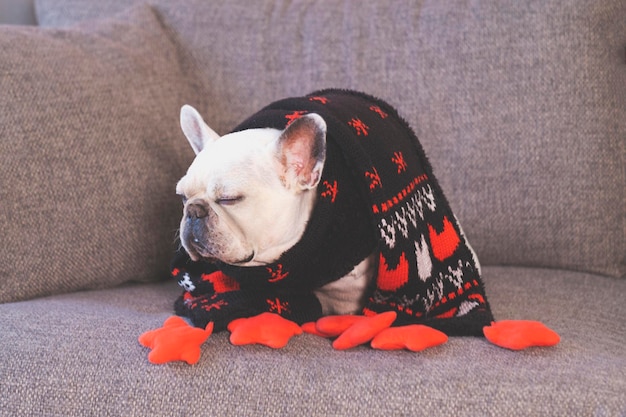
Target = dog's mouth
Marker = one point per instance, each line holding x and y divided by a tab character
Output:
201	249
196	247
245	260
198	250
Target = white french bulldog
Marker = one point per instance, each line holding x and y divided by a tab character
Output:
249	195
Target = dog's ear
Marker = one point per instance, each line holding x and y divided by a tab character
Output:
197	132
302	151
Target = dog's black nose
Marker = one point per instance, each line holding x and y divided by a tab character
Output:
196	211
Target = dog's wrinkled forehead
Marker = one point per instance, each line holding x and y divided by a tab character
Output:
235	160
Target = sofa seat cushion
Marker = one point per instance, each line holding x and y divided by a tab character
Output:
77	354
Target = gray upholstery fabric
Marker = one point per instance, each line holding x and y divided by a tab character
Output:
90	151
17	12
77	354
520	105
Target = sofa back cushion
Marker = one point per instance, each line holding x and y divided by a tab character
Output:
90	151
519	104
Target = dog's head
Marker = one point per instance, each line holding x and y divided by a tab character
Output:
248	195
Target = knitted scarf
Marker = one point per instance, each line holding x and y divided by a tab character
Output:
377	193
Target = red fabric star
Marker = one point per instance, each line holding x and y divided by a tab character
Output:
333	326
357	330
175	341
520	334
267	329
414	337
364	330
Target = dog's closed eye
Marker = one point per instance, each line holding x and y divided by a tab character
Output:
229	200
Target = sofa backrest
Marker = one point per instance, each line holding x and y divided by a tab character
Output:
90	150
519	104
17	12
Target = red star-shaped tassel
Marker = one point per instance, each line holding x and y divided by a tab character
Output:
267	329
414	337
175	341
353	331
520	334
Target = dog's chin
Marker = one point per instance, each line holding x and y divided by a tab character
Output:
199	255
245	261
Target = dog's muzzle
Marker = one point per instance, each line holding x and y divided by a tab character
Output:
194	232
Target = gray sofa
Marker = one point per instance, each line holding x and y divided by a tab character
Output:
520	106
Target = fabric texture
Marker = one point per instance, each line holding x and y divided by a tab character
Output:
90	148
519	105
100	369
377	192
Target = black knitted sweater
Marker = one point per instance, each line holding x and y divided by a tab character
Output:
377	193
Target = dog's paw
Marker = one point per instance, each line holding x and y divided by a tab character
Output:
267	329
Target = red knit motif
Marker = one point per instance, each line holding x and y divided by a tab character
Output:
444	244
392	279
221	282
